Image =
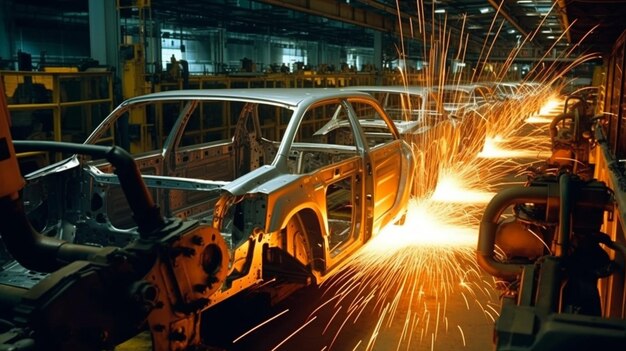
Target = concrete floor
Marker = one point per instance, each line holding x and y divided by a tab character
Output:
331	318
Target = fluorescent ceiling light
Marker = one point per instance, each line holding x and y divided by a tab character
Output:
524	1
511	31
485	10
440	11
551	37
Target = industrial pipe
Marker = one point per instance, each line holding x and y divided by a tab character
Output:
31	249
45	254
489	226
565	218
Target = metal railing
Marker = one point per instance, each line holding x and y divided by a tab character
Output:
57	106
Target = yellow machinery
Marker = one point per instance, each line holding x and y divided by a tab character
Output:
133	84
133	78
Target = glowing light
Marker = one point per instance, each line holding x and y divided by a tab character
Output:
538	120
550	106
407	273
423	220
493	149
451	189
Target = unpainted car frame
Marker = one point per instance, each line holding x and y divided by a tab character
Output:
294	208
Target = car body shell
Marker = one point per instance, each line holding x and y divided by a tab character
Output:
286	207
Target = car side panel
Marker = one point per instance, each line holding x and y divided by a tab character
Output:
386	163
207	162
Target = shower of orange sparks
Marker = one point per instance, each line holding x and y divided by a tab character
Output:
422	219
431	256
407	274
552	104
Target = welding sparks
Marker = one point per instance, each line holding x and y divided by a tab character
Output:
552	104
408	268
407	277
260	325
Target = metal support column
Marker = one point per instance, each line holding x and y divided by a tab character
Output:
6	44
104	33
378	55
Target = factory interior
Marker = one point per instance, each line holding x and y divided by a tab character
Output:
243	175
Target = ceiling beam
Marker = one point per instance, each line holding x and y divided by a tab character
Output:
346	12
508	17
339	11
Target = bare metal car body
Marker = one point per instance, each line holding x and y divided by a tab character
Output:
288	201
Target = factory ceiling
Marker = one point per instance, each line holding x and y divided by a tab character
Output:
538	24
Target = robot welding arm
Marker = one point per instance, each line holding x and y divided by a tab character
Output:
12	181
97	297
43	253
33	250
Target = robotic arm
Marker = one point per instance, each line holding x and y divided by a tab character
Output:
97	297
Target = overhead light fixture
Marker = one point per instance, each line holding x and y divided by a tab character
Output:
544	10
546	31
484	10
524	1
474	26
440	11
510	31
551	37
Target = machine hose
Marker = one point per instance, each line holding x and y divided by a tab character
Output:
47	254
489	226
